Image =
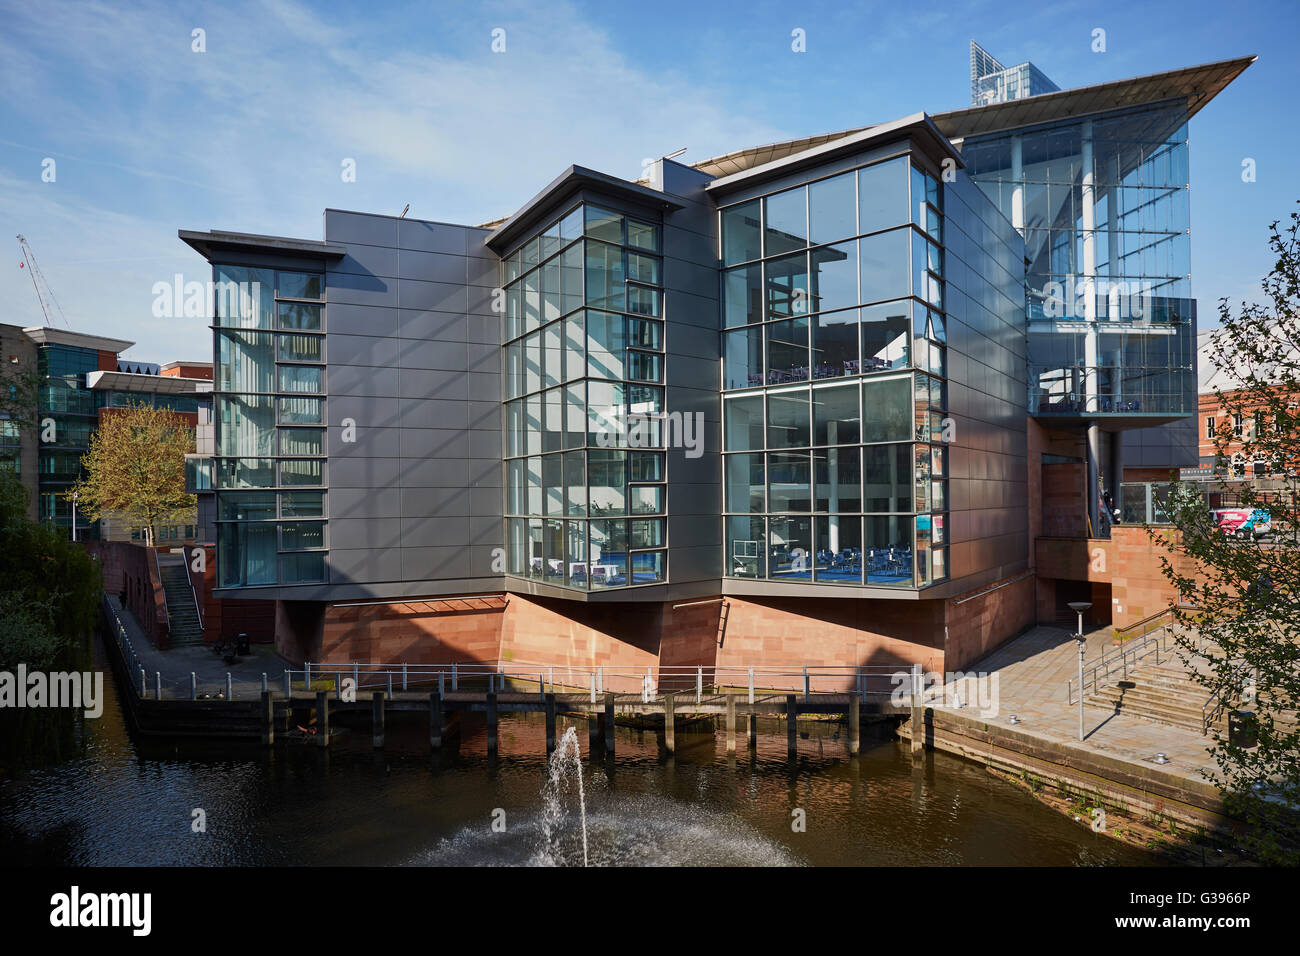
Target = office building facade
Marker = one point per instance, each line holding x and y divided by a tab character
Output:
789	404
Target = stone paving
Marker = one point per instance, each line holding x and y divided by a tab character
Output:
208	667
1032	672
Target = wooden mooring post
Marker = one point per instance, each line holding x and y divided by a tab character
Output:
435	720
322	718
492	728
791	725
753	732
550	724
609	724
731	723
918	715
377	719
268	718
855	715
670	737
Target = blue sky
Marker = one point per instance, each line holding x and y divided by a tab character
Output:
149	136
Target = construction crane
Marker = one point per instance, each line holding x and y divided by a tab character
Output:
43	291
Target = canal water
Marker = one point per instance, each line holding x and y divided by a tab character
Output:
121	800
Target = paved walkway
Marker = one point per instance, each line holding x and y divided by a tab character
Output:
1032	672
208	667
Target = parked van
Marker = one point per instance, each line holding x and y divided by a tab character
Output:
1243	522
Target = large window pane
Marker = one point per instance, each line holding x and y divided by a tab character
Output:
884	265
887	474
889	550
740	233
742	295
646	499
789	486
301	378
835	344
887	410
885	335
301	411
575	483
834	277
742	362
746	555
745	483
606	345
244	361
838	480
299	285
246	505
608	549
300	348
245	297
787	285
836	415
649	567
790	548
246	554
882	195
607	478
605	286
245	425
553	492
302	504
297	315
306	471
643	235
839	549
787	351
302	535
786	222
787	419
575	555
744	423
832	209
646	532
603	224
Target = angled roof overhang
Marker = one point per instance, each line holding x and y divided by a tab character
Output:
1196	84
741	159
45	335
155	384
214	243
571	181
918	126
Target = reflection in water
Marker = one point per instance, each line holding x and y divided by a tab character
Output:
130	801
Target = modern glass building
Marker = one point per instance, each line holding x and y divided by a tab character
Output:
991	82
809	386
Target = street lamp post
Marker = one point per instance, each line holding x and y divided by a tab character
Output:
1079	607
74	516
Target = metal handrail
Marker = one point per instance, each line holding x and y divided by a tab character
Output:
197	608
1218	695
1129	651
166	610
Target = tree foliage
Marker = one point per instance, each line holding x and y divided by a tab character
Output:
49	587
1242	593
135	467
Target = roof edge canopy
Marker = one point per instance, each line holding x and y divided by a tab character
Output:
46	335
566	184
211	244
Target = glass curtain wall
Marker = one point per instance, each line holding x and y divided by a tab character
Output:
585	471
269	467
1103	206
65	399
834	381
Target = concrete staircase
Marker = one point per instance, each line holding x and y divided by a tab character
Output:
1167	694
183	616
1164	693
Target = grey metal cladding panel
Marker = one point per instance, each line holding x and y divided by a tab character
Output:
365	503
484	329
433	563
447	501
434	413
485	444
684	499
348	227
694	532
441	296
479	301
371	441
691	277
345	319
416	235
694	564
687	309
436	530
485	473
432	383
362	380
367	290
434	473
486	500
430	442
364	564
433	266
365	261
484	386
371	412
436	355
690	246
483	272
429	324
484	358
695	341
363	472
356	533
486	415
367	350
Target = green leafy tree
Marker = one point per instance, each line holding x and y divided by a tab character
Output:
1242	592
135	468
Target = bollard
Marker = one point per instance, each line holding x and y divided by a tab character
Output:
264	687
288	686
230	693
268	718
306	676
435	719
194	686
322	718
377	719
550	723
157	685
144	683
